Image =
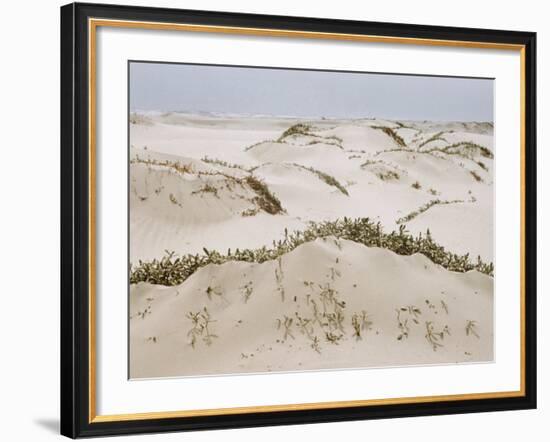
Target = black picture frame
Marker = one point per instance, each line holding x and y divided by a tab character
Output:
76	403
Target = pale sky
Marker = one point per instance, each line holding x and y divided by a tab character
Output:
306	93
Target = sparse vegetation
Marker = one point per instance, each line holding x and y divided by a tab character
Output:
328	179
247	289
424	208
250	212
370	163
315	344
388	175
416	185
403	316
338	140
143	313
213	291
360	323
223	163
464	149
207	188
331	319
383	170
279	276
173	270
467	149
296	129
286	324
174	200
413	311
302	129
402	325
325	140
435	337
252	146
476	176
482	165
397	149
175	165
264	199
305	326
200	321
436	137
391	133
471	328
404	126
333	338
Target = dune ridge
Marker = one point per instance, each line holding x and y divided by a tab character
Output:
327	304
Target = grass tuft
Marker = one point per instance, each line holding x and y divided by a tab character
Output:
307	130
388	175
328	179
175	165
436	137
476	176
201	322
467	149
207	188
264	198
223	163
425	207
296	129
391	133
259	143
482	165
174	270
382	169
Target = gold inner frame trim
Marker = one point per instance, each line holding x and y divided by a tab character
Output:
93	24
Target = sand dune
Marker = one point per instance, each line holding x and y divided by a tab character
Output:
227	182
251	307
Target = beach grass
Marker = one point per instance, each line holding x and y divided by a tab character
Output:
173	269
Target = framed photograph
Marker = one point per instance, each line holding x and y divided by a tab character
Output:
274	220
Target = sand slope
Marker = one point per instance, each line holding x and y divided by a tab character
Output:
191	188
370	164
246	302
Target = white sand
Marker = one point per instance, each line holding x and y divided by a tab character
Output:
171	211
248	340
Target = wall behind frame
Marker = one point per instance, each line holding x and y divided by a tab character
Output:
29	227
